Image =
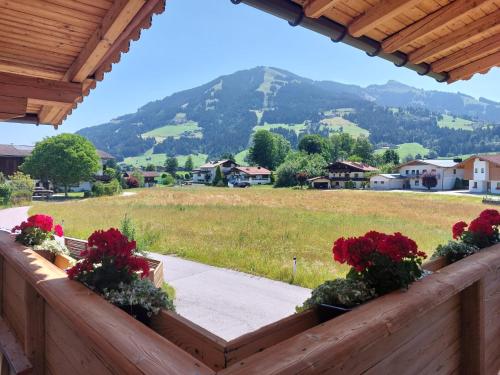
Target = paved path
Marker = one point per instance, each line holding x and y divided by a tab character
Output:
225	302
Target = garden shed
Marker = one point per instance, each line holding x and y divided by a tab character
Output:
53	53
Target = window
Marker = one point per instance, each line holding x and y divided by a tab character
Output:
417	182
475	185
424	170
356	175
381	182
418	172
376	182
454	171
413	171
407	171
482	170
346	174
498	185
475	170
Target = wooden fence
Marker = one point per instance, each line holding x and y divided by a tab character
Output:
447	323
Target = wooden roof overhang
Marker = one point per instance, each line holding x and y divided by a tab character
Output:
52	52
446	40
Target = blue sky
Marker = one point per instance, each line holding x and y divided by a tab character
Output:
195	41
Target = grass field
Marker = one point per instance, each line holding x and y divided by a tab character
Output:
240	157
455	123
259	231
338	123
405	149
188	129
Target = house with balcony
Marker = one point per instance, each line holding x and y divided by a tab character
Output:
252	175
447	172
205	174
349	174
483	173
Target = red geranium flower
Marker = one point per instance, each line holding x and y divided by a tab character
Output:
481	226
58	230
492	216
458	229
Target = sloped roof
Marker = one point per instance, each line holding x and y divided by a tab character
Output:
13	150
494	158
447	40
254	170
54	52
359	166
104	155
441	163
214	164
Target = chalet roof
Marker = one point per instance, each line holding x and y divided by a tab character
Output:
13	150
253	171
216	163
363	167
54	52
23	151
150	174
441	163
495	159
447	40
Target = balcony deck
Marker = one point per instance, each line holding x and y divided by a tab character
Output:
448	322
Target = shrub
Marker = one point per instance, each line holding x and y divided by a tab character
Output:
168	180
22	188
454	251
132	182
5	193
350	185
100	189
339	292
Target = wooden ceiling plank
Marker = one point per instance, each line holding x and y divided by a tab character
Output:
317	8
478	50
47	114
4	116
430	23
40	36
481	65
378	14
115	21
29	70
486	24
80	7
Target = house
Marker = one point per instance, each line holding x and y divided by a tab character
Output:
252	175
483	173
320	182
149	177
446	172
352	174
11	157
104	157
387	181
205	174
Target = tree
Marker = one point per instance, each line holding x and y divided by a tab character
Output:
189	165
363	149
341	146
313	165
268	150
150	167
418	157
261	150
429	180
315	144
218	178
408	158
390	156
302	178
171	165
65	159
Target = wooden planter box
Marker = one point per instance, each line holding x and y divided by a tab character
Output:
76	246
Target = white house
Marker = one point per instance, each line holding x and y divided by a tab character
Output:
205	174
483	173
387	181
252	175
446	171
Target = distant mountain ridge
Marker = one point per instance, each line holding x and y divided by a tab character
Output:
220	116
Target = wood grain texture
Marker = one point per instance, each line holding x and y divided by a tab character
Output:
13	357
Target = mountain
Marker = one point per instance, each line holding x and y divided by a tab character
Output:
220	116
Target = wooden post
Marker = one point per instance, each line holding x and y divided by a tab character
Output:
34	337
473	359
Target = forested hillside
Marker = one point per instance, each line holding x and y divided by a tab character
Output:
221	116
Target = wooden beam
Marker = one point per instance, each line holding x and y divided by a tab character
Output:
13	352
115	21
481	65
316	8
476	51
28	70
39	88
490	22
11	105
430	23
378	14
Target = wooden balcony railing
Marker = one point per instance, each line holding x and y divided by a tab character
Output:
446	323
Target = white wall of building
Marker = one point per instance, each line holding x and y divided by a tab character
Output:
446	177
384	183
